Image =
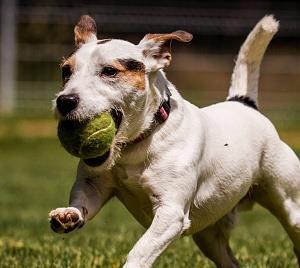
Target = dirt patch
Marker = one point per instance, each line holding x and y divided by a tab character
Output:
28	129
291	137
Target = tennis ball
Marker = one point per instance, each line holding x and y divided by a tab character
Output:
87	139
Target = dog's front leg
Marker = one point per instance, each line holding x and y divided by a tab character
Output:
167	225
87	196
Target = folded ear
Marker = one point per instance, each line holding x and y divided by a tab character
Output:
85	31
157	48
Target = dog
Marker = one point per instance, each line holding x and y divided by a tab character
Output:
178	169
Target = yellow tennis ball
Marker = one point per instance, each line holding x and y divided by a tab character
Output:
87	139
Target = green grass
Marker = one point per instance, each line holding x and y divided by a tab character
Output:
36	176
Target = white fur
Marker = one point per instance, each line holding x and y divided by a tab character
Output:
190	175
244	80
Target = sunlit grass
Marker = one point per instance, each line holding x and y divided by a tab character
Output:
36	176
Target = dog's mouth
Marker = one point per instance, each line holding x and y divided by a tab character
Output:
98	161
117	117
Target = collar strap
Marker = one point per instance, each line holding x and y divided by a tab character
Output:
164	109
161	115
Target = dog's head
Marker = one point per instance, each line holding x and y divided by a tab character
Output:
116	76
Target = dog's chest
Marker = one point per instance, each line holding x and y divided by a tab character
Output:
133	194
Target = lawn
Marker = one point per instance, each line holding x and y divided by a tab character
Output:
36	175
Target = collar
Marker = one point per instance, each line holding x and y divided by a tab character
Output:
161	115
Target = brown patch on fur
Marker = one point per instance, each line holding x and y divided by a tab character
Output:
131	72
132	65
181	36
136	79
85	28
68	61
67	68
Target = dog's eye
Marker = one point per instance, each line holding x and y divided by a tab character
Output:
109	71
66	73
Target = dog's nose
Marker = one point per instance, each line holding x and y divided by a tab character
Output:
67	103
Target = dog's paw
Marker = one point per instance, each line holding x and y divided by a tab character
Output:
65	220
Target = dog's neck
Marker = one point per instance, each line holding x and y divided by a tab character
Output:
163	85
162	112
159	91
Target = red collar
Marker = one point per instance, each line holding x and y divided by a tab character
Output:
161	115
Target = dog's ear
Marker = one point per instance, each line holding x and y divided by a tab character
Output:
157	48
85	31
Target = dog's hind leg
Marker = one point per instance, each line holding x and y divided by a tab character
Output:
214	242
279	190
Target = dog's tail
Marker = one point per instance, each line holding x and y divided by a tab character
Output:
244	79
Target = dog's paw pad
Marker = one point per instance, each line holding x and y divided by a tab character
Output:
68	217
64	220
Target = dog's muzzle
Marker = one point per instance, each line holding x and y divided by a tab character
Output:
67	103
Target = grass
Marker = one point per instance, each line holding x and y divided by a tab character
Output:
36	176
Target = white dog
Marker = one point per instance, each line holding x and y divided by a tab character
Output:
179	170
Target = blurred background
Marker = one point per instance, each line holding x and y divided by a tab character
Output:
36	173
35	35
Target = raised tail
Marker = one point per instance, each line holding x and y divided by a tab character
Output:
244	79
